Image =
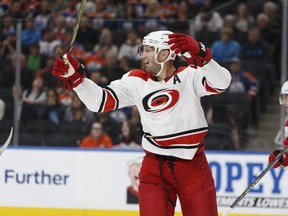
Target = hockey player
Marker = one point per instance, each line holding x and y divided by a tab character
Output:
283	100
168	100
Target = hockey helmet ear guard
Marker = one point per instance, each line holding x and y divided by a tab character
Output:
284	93
158	40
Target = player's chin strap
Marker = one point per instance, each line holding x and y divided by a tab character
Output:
162	63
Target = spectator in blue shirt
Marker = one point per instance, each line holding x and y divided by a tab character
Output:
226	48
30	34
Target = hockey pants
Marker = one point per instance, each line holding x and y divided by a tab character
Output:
164	178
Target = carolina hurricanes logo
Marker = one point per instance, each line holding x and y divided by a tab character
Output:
160	100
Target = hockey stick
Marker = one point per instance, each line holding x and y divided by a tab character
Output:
2	149
256	180
76	26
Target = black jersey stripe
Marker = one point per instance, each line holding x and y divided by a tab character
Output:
179	134
170	147
115	96
103	101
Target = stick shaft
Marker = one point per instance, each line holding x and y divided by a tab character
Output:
256	180
76	26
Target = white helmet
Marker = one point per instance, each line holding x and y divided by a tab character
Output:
159	40
284	90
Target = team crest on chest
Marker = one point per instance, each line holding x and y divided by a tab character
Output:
160	100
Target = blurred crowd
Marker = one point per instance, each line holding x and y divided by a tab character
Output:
244	37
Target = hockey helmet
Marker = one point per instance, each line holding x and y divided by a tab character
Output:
158	40
284	91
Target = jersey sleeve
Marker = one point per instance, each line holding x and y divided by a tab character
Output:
98	99
212	79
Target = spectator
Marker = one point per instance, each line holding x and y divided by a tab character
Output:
151	19
51	110
167	9
226	48
86	35
4	7
97	138
268	33
98	78
77	112
256	48
7	73
129	20
179	22
30	34
118	115
194	7
243	19
111	127
242	80
210	21
127	65
229	22
111	68
59	5
207	25
70	13
272	36
48	42
35	60
128	139
106	38
45	73
64	97
16	10
271	9
245	82
60	28
130	48
94	61
8	47
259	52
43	16
8	25
32	98
102	15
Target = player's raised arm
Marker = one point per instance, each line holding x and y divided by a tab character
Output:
73	74
199	57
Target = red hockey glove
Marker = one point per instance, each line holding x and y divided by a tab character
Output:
283	162
193	51
68	69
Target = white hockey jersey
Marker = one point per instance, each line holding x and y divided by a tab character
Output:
171	113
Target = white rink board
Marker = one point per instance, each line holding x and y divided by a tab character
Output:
98	179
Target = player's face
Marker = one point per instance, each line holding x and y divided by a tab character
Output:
147	55
284	101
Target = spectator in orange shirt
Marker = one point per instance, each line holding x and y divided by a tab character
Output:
97	138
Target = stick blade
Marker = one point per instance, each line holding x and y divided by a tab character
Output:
227	212
7	142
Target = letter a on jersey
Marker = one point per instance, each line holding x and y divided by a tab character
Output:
176	79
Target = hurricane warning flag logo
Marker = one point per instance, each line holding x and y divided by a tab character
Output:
160	100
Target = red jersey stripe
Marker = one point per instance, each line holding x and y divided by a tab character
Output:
195	138
110	103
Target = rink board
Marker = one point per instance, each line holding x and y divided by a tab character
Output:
94	182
